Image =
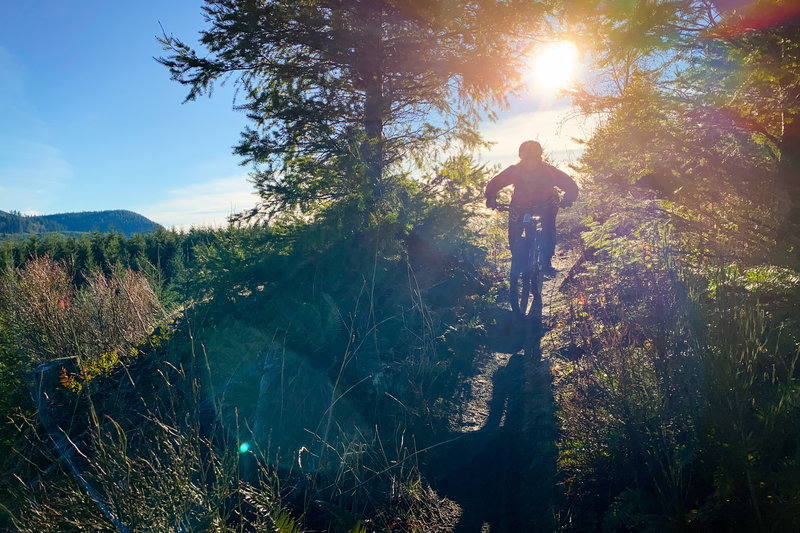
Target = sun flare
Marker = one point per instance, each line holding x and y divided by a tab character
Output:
555	66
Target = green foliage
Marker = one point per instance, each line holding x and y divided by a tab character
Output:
629	404
677	411
161	256
753	452
14	399
675	407
325	344
706	119
157	459
330	282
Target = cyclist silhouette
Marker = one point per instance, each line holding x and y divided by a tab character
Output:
535	183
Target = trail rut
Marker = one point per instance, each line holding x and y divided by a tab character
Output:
501	466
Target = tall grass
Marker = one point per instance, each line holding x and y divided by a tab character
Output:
676	385
328	386
52	319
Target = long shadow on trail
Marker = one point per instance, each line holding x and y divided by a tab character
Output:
503	476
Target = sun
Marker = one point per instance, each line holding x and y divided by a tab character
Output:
555	65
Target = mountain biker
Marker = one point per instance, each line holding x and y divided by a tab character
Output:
535	183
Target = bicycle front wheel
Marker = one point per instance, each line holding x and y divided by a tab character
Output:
519	287
536	277
536	282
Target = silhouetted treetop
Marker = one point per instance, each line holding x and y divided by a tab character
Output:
339	92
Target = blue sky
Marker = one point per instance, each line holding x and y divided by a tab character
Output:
89	120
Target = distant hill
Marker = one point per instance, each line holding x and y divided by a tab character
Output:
123	221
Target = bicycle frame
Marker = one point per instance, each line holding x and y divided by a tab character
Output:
526	274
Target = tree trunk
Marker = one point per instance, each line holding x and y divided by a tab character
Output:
372	76
790	148
789	176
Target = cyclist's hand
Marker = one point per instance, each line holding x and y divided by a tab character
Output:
491	203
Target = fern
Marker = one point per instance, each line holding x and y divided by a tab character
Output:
284	523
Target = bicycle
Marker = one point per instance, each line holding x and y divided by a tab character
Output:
526	276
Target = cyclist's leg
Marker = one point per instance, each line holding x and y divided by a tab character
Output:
548	245
514	235
518	282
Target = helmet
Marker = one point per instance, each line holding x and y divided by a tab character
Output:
530	149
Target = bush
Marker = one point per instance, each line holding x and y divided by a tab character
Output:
96	324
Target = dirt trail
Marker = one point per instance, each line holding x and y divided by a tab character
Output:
501	468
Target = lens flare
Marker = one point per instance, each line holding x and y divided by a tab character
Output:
244	447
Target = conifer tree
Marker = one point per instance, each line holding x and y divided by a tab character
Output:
340	91
702	99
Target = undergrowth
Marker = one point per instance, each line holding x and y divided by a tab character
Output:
675	382
307	372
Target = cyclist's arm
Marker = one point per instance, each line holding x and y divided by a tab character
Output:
566	184
504	179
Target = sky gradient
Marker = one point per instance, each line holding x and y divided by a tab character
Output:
89	121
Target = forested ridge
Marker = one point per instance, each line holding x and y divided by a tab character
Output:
127	222
308	367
